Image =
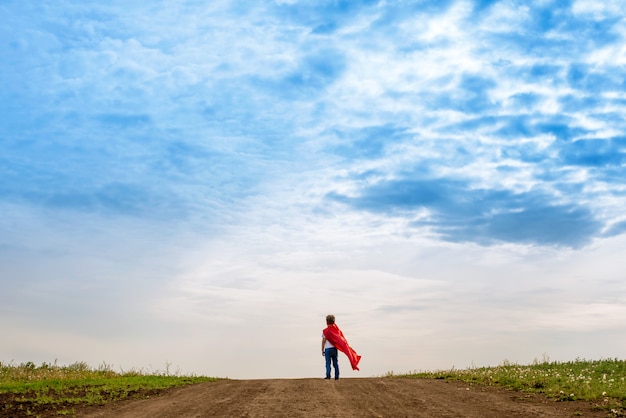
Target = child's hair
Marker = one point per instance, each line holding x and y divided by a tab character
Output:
330	319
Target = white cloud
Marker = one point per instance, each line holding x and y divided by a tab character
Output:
598	10
176	162
506	17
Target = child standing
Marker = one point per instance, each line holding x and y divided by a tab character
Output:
329	351
333	340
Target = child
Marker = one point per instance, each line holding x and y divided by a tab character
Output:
333	340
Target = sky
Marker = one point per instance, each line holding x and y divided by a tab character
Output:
192	186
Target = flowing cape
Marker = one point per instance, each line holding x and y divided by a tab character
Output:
333	334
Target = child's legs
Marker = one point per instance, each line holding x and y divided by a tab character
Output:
327	356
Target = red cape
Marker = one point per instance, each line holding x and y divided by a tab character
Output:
333	334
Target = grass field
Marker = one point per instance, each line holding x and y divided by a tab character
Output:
600	381
50	389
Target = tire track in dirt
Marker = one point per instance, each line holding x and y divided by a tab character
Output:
346	398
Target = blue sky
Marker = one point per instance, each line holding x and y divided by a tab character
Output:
200	184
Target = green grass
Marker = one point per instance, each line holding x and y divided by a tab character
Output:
602	382
49	389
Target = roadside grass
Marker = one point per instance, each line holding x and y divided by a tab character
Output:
602	382
27	390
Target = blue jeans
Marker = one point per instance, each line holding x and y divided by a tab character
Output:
330	354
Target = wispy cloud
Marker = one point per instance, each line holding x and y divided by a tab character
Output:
232	163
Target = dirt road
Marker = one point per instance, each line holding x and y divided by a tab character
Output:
369	397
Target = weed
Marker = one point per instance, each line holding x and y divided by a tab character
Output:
30	390
599	381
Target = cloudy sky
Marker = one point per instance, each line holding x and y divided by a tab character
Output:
195	185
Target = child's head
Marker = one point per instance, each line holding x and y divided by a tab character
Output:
330	319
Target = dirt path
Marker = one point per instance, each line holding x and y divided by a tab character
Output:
370	397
